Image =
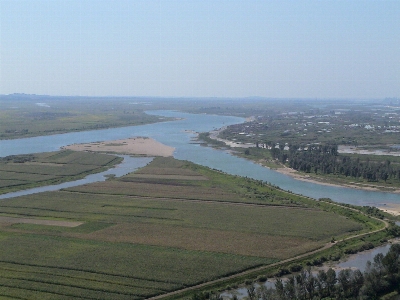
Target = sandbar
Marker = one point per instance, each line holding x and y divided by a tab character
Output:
142	146
359	186
390	208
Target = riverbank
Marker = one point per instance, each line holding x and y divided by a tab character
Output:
142	146
356	261
389	208
392	209
304	177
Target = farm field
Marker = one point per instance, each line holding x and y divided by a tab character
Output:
170	225
32	170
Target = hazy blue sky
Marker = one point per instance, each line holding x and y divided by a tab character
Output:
323	49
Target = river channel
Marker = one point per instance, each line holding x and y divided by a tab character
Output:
179	134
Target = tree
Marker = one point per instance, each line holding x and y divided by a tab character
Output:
322	283
344	283
264	293
356	283
251	292
280	289
330	281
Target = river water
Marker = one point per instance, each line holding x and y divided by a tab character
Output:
128	165
179	134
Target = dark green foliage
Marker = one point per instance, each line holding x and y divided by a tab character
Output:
382	276
324	159
295	268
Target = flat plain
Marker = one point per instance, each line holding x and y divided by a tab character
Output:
167	226
31	170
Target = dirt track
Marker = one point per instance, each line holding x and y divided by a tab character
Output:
11	220
327	246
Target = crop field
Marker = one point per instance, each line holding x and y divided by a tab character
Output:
217	187
142	237
57	267
24	171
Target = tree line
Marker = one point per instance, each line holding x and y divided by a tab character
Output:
381	276
324	159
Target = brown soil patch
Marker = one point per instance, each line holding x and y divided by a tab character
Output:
241	243
11	220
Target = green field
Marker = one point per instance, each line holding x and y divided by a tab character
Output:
170	225
25	171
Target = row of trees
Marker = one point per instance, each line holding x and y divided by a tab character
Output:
381	276
324	159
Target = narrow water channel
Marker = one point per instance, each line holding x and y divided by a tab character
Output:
128	165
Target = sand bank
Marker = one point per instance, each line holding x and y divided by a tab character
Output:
132	146
389	208
360	186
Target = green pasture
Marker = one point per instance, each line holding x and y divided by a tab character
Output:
157	230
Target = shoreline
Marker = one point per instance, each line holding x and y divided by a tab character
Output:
299	176
388	208
392	209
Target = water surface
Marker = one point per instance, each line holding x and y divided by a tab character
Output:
128	165
179	134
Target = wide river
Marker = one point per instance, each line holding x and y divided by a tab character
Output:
179	134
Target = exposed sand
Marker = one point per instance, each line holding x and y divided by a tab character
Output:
214	135
393	209
302	177
389	208
368	187
134	146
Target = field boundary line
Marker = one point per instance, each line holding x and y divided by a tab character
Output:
326	246
238	203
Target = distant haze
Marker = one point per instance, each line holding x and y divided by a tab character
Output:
221	48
